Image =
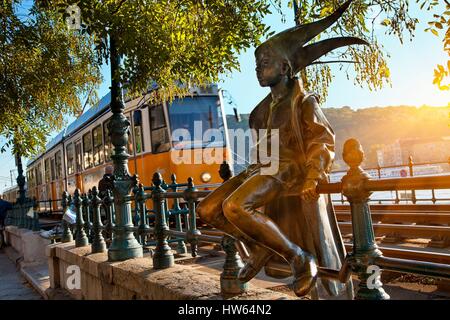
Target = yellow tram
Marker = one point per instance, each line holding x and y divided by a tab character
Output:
171	137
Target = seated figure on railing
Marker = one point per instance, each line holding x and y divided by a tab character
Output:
299	228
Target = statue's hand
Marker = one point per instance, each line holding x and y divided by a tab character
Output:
308	191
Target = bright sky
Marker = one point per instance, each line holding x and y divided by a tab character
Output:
411	67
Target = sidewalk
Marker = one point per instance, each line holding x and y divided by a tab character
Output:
12	285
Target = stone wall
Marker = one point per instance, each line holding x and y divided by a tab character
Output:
28	244
135	278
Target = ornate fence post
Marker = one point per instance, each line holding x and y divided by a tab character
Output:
124	245
87	220
181	247
67	233
365	249
411	174
28	219
22	219
107	203
136	218
98	243
81	239
143	228
163	256
36	224
229	282
192	233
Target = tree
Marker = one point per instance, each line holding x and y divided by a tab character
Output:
441	23
370	63
44	70
175	44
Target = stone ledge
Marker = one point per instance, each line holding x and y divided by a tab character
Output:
136	279
40	283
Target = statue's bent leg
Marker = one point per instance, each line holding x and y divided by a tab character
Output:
210	210
240	208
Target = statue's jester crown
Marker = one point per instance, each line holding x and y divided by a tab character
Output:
290	43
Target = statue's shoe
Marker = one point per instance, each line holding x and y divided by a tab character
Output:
304	269
253	266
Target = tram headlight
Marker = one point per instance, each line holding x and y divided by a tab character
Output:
205	177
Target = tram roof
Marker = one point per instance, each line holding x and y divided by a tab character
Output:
91	113
101	106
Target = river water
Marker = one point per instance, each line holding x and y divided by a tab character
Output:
422	196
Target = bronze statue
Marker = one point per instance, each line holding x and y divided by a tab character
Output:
300	229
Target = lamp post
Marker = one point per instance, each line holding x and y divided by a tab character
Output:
124	245
20	179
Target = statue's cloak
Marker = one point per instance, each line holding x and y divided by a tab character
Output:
311	225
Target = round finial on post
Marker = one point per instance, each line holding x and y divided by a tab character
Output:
76	197
157	179
140	192
411	166
94	191
64	201
35	204
353	153
225	171
190	182
108	198
84	199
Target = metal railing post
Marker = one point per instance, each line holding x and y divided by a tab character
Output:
21	213
163	256
181	246
36	225
67	233
81	239
192	232
87	219
229	282
98	243
108	205
144	228
365	250
411	174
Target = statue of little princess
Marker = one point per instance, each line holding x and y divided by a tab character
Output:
279	216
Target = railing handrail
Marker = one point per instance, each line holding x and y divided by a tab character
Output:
398	166
392	184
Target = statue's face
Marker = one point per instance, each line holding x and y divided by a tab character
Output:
270	67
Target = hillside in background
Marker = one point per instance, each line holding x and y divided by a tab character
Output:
378	127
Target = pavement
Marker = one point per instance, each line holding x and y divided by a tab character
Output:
13	286
31	282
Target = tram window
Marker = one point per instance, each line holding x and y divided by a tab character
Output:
52	166
30	183
158	127
39	174
70	158
47	170
138	138
32	178
198	112
98	145
108	145
87	150
78	156
58	165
